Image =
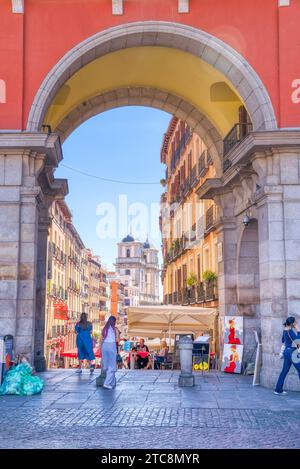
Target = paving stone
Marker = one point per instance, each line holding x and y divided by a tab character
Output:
244	416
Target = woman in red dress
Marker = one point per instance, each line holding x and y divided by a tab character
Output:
231	336
230	368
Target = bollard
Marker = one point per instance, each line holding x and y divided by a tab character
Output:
132	361
186	377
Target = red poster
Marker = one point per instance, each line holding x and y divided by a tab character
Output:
61	311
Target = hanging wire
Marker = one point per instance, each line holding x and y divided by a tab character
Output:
117	181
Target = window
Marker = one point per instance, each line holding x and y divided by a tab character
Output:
127	252
206	259
127	272
198	267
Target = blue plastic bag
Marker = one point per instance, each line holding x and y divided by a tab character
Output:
19	381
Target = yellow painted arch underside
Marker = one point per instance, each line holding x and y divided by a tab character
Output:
170	70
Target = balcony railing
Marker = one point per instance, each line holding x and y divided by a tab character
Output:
200	293
202	164
210	218
180	147
178	248
236	135
175	298
203	292
193	176
211	290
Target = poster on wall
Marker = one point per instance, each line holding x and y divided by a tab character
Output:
232	358
233	330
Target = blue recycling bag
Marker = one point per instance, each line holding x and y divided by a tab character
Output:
20	381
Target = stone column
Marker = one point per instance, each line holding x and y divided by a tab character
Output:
18	243
26	174
41	285
227	239
278	205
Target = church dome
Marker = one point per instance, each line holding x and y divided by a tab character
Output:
146	244
128	239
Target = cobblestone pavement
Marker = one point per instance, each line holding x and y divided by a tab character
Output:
221	411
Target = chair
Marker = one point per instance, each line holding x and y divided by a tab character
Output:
168	362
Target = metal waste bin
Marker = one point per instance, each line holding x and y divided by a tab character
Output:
6	354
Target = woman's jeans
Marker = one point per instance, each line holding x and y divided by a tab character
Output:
158	362
109	362
287	363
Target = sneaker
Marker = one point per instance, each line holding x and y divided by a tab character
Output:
107	387
283	393
79	370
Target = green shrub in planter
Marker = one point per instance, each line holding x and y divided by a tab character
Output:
192	280
209	276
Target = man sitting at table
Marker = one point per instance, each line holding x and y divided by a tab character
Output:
142	354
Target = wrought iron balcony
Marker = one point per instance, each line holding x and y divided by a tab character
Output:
185	296
193	176
200	293
211	290
236	135
202	164
175	298
210	218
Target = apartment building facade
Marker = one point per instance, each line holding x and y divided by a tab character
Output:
188	225
76	283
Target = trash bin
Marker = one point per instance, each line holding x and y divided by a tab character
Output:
201	354
6	354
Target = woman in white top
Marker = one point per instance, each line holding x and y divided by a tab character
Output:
109	352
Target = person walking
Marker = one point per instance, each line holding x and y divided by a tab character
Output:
84	343
109	352
291	332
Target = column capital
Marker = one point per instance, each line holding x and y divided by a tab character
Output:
39	142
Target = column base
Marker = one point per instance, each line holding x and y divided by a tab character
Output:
268	379
186	380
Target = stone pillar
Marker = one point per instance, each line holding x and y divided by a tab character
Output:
41	286
227	240
18	246
278	205
26	174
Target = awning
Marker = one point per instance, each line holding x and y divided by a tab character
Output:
74	353
155	321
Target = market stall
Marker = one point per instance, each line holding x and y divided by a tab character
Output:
170	320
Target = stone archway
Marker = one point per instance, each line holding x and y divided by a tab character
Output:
164	34
29	184
139	96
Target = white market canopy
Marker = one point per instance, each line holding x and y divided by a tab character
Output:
153	321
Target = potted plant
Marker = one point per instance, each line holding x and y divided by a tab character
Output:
209	276
192	280
163	182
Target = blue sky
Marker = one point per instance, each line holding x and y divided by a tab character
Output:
121	144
